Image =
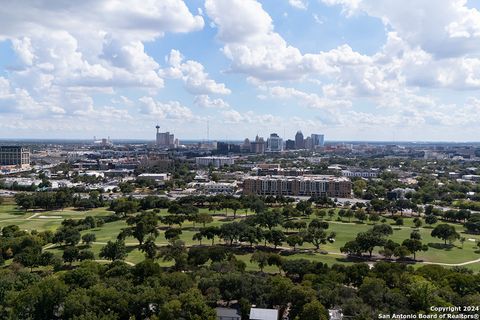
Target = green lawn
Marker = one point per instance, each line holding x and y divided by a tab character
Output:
346	231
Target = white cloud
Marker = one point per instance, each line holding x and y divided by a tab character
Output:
442	28
193	75
69	50
250	117
205	101
299	4
250	42
170	110
311	100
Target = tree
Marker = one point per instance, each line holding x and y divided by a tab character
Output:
203	218
251	234
231	231
175	251
25	201
303	206
374	217
41	300
445	232
192	306
275	259
198	237
29	257
260	258
172	234
294	240
415	235
144	224
401	252
70	254
320	213
367	241
418	222
389	249
318	236
313	310
172	219
351	248
360	215
197	256
235	205
349	214
69	235
414	245
382	229
123	207
269	219
358	187
88	238
331	213
210	233
462	240
46	258
86	255
149	248
431	219
275	237
114	250
473	224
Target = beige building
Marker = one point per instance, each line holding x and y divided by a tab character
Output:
16	156
311	185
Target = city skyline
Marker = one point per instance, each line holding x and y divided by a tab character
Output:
358	70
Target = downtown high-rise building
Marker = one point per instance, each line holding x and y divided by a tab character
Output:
299	141
318	140
258	146
274	143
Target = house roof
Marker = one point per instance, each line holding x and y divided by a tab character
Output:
263	314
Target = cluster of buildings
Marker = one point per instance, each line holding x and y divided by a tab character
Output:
275	143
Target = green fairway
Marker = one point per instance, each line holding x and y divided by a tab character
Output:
346	231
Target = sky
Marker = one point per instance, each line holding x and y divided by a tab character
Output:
384	70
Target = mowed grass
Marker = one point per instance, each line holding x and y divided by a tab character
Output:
345	231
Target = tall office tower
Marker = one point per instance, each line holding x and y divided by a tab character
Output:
317	140
14	156
308	143
164	139
245	147
258	146
274	143
299	143
289	144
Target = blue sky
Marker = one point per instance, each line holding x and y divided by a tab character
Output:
351	69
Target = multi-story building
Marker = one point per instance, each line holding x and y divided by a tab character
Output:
14	156
274	143
216	162
258	146
372	173
289	144
164	139
312	185
318	140
299	142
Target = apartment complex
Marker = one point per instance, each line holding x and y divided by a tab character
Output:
311	185
14	156
216	162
